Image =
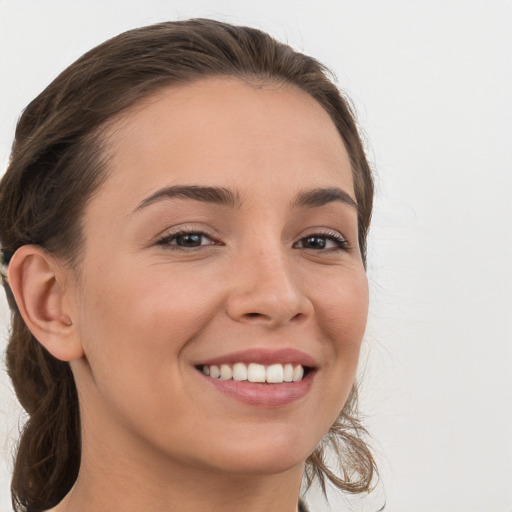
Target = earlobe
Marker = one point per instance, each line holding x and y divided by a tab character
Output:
35	279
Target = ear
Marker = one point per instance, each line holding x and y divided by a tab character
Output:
37	282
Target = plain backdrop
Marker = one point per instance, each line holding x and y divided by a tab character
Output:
432	84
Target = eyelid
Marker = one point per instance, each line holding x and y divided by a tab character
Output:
172	233
341	241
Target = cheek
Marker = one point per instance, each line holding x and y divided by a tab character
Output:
341	316
144	311
135	330
343	310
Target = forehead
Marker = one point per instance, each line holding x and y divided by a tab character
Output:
225	132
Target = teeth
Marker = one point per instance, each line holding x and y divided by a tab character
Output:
288	373
226	373
239	371
256	373
273	374
298	373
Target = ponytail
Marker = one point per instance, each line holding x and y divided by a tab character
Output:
48	456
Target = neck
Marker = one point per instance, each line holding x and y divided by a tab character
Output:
119	473
183	489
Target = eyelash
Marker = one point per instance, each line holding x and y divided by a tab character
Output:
341	244
167	239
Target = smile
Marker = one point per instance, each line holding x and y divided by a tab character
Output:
257	373
261	377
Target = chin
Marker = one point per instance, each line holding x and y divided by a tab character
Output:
265	454
262	463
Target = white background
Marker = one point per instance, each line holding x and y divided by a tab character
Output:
432	83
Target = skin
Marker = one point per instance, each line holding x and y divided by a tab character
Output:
140	314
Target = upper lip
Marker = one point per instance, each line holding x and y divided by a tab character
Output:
263	356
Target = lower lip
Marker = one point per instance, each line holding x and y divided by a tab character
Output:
263	395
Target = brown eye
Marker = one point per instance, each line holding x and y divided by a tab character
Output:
186	240
189	240
319	242
314	242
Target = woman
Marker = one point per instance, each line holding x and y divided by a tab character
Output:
183	226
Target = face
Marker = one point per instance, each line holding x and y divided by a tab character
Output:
224	239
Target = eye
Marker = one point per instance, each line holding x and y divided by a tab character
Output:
323	242
186	240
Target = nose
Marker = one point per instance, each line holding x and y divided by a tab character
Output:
267	290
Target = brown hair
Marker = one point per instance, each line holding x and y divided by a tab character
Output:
57	163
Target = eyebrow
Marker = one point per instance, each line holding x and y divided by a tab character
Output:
320	196
216	195
223	196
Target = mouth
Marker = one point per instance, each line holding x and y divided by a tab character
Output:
278	373
261	377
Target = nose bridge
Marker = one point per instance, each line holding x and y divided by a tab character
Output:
267	287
